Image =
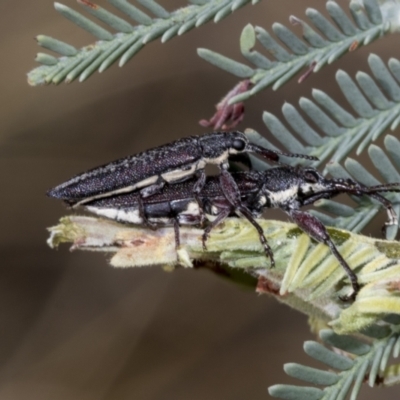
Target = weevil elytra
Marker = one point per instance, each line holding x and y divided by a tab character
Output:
287	188
174	162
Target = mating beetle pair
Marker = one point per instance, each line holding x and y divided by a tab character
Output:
160	186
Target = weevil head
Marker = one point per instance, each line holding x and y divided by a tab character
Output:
287	187
218	146
314	186
310	182
238	142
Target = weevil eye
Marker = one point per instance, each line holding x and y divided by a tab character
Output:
239	144
311	176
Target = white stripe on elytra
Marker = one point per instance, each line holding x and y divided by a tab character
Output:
116	214
171	176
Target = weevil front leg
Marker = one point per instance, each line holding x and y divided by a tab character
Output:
389	209
229	186
314	228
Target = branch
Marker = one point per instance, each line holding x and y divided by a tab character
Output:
307	277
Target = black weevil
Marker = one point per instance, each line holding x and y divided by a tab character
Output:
174	162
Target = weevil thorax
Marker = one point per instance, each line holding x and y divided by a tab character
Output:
280	188
217	147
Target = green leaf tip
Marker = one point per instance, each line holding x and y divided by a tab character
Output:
247	38
234	67
290	392
390	249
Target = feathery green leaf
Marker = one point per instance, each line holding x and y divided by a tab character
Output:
365	209
128	40
375	101
313	52
367	357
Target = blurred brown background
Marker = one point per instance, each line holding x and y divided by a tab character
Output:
71	326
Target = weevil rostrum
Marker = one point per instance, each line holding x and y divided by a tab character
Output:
174	162
285	187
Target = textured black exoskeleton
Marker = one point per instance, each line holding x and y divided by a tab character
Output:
287	188
175	162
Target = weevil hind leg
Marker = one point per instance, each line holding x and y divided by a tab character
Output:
314	228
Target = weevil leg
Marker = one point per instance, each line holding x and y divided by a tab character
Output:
389	209
232	194
220	217
177	235
229	186
152	189
314	227
197	188
249	216
143	216
199	185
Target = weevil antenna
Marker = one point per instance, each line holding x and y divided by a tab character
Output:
388	187
273	155
353	187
